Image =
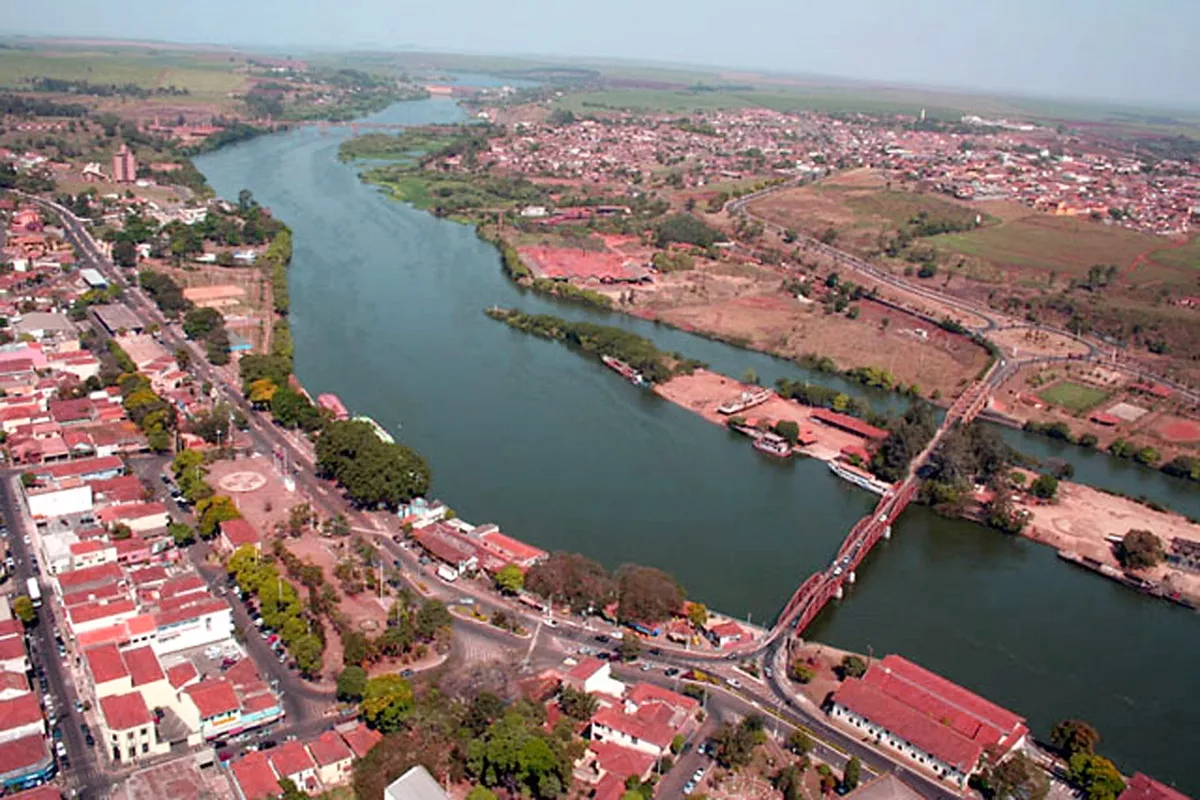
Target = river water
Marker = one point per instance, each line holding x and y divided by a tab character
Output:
387	312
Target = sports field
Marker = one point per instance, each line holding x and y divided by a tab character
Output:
1074	397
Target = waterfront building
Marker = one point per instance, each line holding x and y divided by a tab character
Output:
1143	787
927	719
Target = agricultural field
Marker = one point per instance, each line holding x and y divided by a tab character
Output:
1185	257
200	74
652	100
1038	244
1074	397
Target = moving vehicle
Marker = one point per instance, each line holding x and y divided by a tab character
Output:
34	591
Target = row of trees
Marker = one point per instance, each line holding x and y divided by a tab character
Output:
643	594
153	415
279	606
600	340
908	437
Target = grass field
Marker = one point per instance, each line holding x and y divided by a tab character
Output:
1074	397
203	76
651	100
898	207
1045	243
1185	258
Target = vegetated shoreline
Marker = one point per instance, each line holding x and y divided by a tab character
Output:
519	273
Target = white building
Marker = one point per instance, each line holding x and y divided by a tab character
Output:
416	784
127	728
58	501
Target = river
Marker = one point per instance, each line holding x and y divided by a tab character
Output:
386	312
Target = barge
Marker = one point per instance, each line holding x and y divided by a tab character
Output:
745	401
860	478
1135	582
773	445
624	370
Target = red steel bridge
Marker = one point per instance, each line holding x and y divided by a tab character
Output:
821	587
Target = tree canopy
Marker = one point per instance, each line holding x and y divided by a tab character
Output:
1140	549
647	594
372	472
573	579
385	701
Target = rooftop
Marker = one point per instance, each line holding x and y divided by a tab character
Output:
105	663
290	758
329	748
213	698
255	776
123	712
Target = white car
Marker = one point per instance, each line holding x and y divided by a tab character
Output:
735	683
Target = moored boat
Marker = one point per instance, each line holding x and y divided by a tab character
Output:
624	370
860	478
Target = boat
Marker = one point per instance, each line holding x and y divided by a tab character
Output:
860	478
773	445
624	370
383	435
745	400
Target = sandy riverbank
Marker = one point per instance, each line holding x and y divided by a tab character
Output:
1081	517
703	391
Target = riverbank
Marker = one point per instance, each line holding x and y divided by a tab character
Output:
527	433
1085	521
704	392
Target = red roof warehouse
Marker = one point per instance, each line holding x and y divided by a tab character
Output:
931	720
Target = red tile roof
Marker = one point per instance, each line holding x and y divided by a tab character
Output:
361	739
849	423
511	549
13	680
20	710
290	758
239	532
143	666
125	711
213	698
130	511
1143	787
182	673
256	777
39	793
105	663
9	628
83	466
12	649
90	612
79	578
586	668
650	723
190	611
329	748
620	761
937	715
643	693
23	753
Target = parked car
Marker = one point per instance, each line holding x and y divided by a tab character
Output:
735	683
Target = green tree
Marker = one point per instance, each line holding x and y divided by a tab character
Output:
629	648
372	472
289	790
352	683
577	705
22	606
1140	549
182	534
789	782
1073	736
789	430
124	253
852	774
677	742
432	618
1095	775
200	322
736	743
697	614
800	742
1044	486
1018	778
212	511
852	666
800	671
480	793
386	701
510	579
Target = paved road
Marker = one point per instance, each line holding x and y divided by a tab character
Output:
85	774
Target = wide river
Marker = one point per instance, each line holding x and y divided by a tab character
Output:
387	309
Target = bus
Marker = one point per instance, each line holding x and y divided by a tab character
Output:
35	592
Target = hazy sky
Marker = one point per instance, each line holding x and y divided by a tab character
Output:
1146	52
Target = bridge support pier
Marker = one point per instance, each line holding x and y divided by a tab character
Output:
851	577
838	593
887	532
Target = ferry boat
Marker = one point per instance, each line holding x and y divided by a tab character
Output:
773	445
624	370
745	401
383	435
859	478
